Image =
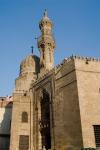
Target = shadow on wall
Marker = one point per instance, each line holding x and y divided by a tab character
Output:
5	125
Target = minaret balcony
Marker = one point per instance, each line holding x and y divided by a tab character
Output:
44	40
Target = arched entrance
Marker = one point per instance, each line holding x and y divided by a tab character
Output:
45	120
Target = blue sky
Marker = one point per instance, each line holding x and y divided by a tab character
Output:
76	31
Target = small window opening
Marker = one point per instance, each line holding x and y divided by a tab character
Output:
24	117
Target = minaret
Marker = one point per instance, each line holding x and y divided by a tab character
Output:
46	44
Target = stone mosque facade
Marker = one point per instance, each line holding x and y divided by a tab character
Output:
55	107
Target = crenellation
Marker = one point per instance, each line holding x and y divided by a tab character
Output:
86	58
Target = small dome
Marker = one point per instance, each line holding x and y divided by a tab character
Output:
30	65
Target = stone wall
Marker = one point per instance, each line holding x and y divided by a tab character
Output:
22	103
88	81
66	109
5	121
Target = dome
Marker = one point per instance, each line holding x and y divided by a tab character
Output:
30	65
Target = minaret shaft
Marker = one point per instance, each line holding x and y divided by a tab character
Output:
46	45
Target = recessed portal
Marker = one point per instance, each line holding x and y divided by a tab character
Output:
45	120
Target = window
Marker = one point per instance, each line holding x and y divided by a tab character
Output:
24	117
97	135
24	142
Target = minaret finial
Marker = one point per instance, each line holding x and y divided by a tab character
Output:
45	13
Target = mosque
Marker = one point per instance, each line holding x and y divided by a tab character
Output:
52	107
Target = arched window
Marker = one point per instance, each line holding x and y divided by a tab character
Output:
24	116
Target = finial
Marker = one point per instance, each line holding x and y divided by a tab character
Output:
32	49
45	13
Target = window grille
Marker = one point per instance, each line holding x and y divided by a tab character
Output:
24	142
